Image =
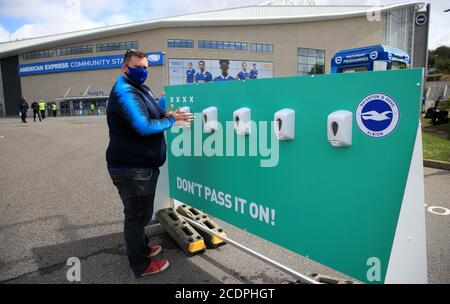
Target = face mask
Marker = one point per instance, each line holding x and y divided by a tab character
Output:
138	75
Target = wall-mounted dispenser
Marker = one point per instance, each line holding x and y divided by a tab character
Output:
184	124
340	128
242	121
209	116
284	124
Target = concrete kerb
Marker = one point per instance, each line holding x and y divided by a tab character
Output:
436	164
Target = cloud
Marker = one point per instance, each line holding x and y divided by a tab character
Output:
46	17
4	34
439	24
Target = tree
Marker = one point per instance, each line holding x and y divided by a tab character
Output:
443	59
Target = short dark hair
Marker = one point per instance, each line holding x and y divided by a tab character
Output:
201	61
132	52
225	61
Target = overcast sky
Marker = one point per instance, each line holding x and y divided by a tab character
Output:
30	18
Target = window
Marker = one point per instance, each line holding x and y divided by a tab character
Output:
38	54
180	43
117	46
310	61
222	45
398	28
261	47
85	49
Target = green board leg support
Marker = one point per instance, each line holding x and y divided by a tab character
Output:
205	220
187	238
329	279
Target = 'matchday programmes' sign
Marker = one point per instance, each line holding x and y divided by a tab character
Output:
82	64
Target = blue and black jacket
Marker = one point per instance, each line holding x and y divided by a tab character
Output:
136	127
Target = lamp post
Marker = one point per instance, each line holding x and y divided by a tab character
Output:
435	66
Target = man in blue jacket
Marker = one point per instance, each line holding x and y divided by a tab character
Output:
135	152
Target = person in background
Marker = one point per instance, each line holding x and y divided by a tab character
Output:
54	109
190	73
136	150
243	75
424	99
92	108
35	107
23	108
254	72
224	66
202	76
42	107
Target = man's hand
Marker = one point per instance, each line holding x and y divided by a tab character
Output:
179	115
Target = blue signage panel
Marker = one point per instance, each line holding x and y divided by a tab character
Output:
365	56
83	64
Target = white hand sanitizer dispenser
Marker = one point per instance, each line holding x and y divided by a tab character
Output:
209	119
284	124
340	128
242	121
184	124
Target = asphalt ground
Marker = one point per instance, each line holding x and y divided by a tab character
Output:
57	201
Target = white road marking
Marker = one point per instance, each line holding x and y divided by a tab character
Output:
439	210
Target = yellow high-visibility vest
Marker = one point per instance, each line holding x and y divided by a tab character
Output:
54	107
42	106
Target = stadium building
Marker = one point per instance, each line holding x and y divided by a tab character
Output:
77	69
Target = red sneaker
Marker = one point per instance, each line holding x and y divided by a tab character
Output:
155	266
154	250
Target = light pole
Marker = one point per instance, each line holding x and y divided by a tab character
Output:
435	66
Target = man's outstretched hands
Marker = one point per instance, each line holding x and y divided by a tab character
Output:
180	116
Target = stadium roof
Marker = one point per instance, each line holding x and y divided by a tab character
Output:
267	13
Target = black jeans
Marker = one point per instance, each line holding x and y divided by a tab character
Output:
137	190
38	115
23	116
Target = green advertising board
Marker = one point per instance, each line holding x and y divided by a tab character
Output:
354	204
